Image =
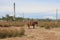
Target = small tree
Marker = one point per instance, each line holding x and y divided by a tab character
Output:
7	17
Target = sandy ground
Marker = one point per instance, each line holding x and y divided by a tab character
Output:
38	34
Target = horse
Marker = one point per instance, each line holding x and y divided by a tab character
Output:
32	23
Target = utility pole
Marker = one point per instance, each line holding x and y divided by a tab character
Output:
56	16
23	17
14	11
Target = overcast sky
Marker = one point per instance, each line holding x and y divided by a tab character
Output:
40	7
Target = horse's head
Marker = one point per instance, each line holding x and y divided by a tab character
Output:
36	22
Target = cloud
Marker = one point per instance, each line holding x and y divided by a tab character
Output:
30	7
5	9
50	17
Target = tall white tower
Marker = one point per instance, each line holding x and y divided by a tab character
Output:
56	15
14	11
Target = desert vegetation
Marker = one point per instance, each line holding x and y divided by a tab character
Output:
16	28
48	24
11	23
7	32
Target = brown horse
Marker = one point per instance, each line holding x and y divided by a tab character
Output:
32	23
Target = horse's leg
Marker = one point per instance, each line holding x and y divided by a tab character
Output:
33	26
29	26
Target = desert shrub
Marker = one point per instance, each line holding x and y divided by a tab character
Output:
6	25
21	32
0	25
47	27
11	23
3	34
42	26
9	32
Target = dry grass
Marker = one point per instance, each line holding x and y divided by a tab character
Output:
11	23
38	34
49	24
11	32
34	34
20	23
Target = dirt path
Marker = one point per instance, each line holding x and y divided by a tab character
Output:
38	34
